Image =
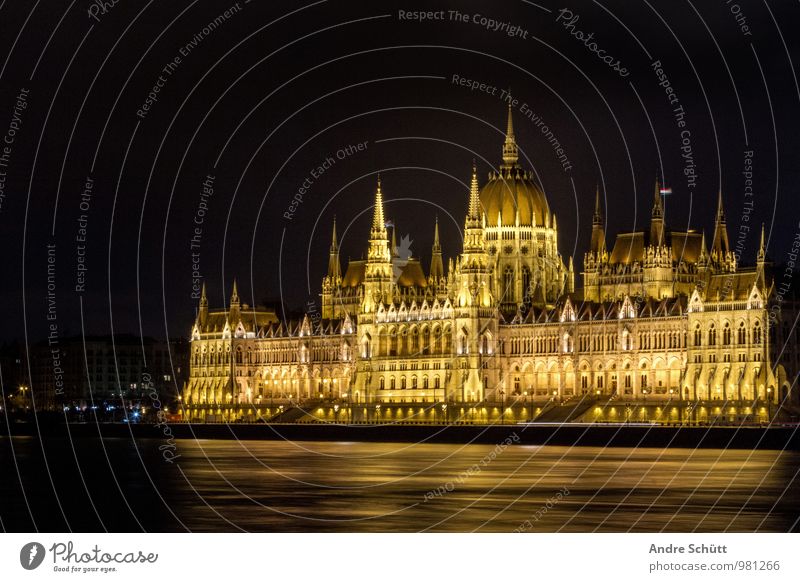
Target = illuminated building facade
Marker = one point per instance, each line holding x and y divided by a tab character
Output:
661	318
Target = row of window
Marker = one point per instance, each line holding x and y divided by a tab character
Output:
404	383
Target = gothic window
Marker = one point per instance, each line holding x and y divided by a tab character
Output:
485	345
712	336
391	383
413	382
436	382
697	336
414	341
508	284
426	341
584	382
516	385
726	335
626	340
382	383
644	380
526	284
757	333
742	334
425	382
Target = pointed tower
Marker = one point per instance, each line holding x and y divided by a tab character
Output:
598	231
475	329
761	259
331	283
437	265
510	151
378	270
657	218
234	313
720	246
334	266
202	311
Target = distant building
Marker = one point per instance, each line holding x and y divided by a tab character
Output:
106	370
661	317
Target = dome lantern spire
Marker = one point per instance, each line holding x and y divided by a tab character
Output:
510	151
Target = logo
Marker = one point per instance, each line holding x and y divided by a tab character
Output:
31	555
400	255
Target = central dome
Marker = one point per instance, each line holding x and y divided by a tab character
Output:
512	189
509	190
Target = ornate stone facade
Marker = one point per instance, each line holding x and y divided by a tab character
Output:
660	319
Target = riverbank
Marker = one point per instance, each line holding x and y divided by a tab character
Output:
611	435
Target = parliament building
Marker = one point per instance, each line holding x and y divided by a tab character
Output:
662	320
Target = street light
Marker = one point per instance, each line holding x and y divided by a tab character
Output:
444	412
502	406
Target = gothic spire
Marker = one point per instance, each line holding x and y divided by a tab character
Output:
474	212
510	152
203	297
762	247
598	233
437	266
598	213
378	222
235	295
657	218
334	267
720	245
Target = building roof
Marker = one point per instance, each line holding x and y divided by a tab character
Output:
510	190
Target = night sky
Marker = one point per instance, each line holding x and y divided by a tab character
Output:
177	111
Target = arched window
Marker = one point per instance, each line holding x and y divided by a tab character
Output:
726	335
425	382
742	334
403	383
382	383
436	382
485	347
698	336
757	333
712	336
426	341
391	383
413	382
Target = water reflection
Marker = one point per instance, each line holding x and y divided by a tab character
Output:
335	487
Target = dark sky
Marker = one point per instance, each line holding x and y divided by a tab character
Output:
268	93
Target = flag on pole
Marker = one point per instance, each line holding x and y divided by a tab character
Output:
665	191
